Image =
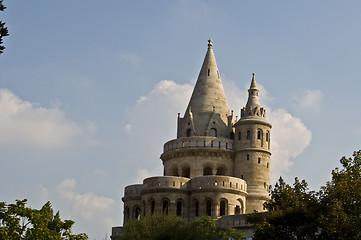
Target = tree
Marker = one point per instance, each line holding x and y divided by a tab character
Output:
292	212
334	212
163	227
19	222
154	227
3	30
340	200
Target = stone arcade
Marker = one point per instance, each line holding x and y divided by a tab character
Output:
216	166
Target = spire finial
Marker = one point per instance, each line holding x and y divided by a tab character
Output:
210	44
253	82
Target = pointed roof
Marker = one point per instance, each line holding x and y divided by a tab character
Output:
208	94
253	100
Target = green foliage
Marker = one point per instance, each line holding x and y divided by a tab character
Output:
19	222
341	201
3	30
165	227
334	212
292	212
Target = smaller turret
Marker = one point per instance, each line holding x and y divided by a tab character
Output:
252	158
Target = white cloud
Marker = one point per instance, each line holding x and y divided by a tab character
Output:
289	138
309	99
21	122
92	214
152	122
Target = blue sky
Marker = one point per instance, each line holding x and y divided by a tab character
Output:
90	91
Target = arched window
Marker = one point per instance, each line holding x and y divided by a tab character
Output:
186	172
213	132
267	136
175	171
221	170
189	132
179	208
137	212
247	156
165	207
196	207
237	210
259	133
222	208
152	207
207	171
209	207
248	134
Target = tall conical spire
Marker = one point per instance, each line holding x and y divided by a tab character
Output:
208	94
253	107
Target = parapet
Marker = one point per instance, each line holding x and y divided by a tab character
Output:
199	142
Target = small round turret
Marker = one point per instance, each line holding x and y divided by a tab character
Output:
252	150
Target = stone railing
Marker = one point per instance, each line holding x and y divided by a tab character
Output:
199	142
224	182
133	190
164	182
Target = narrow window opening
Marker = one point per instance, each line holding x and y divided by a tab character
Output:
179	209
222	209
247	156
248	134
165	207
239	135
259	160
213	132
237	210
209	72
189	132
137	213
209	208
207	171
152	207
259	135
267	165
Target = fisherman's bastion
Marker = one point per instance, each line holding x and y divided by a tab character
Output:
217	165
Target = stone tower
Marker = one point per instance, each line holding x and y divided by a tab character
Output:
252	150
216	166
